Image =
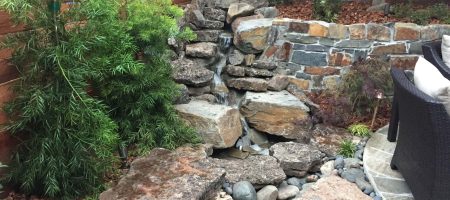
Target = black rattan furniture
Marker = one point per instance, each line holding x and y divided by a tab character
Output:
433	53
422	154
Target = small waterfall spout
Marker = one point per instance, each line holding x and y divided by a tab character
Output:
219	88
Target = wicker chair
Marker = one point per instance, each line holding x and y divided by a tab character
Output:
422	154
432	53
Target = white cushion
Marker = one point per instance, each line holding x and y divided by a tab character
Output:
446	49
428	79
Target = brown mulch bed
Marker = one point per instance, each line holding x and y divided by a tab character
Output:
351	13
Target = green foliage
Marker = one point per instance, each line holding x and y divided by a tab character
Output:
403	10
361	130
347	148
421	17
141	102
326	10
70	138
365	80
437	11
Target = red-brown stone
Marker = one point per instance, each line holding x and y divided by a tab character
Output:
324	71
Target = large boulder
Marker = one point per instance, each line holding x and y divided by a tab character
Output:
186	72
185	173
217	124
249	84
277	113
333	188
201	49
329	138
239	10
225	4
258	170
297	159
251	36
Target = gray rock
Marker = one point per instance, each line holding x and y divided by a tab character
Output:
277	113
269	192
249	84
202	182
207	35
252	36
235	57
296	181
249	59
236	71
352	174
239	10
352	163
287	192
199	91
217	124
244	190
359	154
364	186
252	72
267	12
201	49
278	83
306	186
225	4
312	178
257	137
184	95
258	170
372	194
209	24
264	64
296	157
185	72
354	44
327	168
206	97
214	14
377	198
229	190
297	92
310	58
283	184
339	162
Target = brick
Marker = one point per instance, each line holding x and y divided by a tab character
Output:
310	58
324	71
340	59
300	83
378	32
357	31
318	30
338	31
406	31
299	27
383	50
405	62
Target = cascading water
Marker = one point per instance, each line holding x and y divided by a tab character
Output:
219	88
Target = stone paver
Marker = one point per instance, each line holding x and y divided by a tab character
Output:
388	183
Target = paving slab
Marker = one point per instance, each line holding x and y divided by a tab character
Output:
388	183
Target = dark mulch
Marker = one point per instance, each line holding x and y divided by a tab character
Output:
351	13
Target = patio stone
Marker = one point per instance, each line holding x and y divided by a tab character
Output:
388	183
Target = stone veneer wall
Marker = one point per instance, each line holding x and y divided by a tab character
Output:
318	53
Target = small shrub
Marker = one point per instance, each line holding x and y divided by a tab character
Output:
364	81
326	10
421	17
347	148
403	10
439	11
361	130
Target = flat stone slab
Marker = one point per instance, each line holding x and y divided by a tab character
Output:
388	183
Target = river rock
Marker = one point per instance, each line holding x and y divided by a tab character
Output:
327	168
201	49
235	57
329	138
352	174
155	175
278	83
333	188
251	36
258	170
269	192
217	124
364	186
250	84
287	192
186	72
352	163
277	113
295	158
244	191
238	10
